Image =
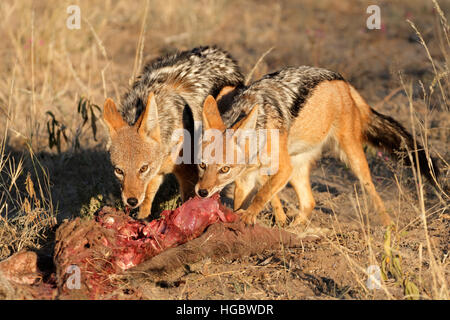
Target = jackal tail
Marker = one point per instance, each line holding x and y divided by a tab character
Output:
384	132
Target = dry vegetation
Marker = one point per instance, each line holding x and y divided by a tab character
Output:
53	163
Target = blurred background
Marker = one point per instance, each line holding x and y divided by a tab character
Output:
52	66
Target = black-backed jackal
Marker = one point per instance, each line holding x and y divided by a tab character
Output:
310	108
168	95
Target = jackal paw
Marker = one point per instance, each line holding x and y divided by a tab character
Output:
299	220
247	217
280	221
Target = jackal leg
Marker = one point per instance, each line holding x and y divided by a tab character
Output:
272	186
278	211
301	182
352	147
277	207
243	188
239	195
152	188
187	176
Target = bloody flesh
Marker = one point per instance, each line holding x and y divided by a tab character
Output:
91	257
137	241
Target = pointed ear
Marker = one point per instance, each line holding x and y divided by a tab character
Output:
211	115
147	124
249	122
112	117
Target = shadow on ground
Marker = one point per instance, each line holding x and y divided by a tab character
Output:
78	177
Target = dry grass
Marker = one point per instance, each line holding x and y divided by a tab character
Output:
403	70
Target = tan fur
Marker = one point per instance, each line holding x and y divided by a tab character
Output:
335	113
211	115
273	184
113	119
140	141
331	113
242	191
212	177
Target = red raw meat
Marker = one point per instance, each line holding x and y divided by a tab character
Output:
137	241
92	257
115	242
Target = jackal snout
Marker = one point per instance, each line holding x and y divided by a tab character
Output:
203	193
209	183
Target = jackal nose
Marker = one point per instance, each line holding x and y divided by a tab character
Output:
132	202
203	193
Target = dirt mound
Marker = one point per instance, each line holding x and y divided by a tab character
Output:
20	278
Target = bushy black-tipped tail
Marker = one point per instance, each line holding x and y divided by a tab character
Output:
385	132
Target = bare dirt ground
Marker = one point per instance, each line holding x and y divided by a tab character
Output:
400	71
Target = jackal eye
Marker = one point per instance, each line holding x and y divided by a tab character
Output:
143	169
118	171
202	165
224	169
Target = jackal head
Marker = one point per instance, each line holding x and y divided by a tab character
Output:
222	156
134	150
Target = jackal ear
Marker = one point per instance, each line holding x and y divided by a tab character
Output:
112	117
249	122
211	115
147	124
